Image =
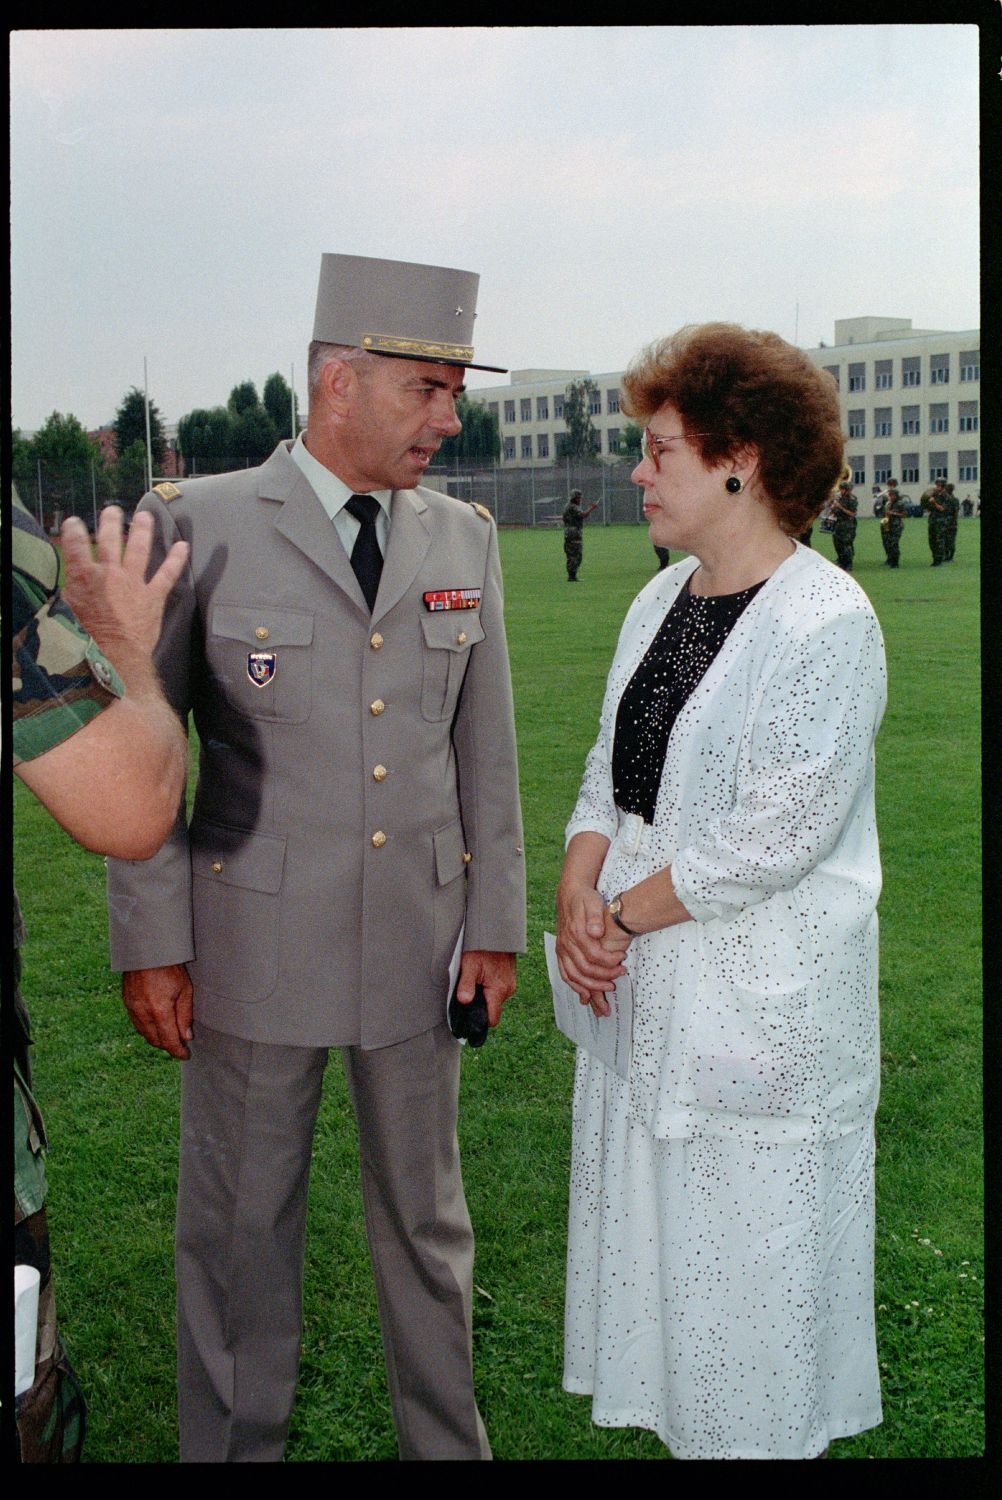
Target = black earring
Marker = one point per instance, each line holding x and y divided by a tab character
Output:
733	485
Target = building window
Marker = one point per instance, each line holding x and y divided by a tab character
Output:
492	407
882	421
543	445
882	374
509	411
558	406
542	408
882	470
910	419
857	467
909	468
857	377
939	369
970	365
833	371
939	417
967	419
937	466
968	473
857	424
594	404
613	439
509	447
911	373
612	402
526	408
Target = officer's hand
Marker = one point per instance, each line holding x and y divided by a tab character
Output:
495	971
159	1006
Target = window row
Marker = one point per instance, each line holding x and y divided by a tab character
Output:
908	470
968	364
911	419
537	408
547	445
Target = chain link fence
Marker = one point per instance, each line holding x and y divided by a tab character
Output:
535	495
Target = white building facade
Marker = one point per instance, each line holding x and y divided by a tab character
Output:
910	401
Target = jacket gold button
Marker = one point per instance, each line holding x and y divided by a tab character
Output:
217	866
378	839
262	632
375	640
461	638
377	707
467	857
379	773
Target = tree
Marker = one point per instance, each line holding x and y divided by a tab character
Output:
480	439
252	436
70	465
581	439
277	400
130	474
130	426
243	397
631	440
204	438
22	466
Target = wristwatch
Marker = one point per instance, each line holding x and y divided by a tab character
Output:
614	908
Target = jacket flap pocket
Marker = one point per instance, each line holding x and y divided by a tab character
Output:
452	629
236	856
263	627
450	848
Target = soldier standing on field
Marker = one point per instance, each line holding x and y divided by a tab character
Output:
844	507
952	520
574	519
892	523
936	502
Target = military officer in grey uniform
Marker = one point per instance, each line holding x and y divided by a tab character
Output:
339	639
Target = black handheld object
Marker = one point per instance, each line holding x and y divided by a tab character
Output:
469	1023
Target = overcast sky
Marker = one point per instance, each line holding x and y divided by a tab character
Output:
172	191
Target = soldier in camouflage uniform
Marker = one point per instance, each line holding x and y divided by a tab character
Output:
62	682
574	519
844	508
935	501
892	523
952	522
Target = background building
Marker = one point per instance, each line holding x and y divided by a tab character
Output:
910	401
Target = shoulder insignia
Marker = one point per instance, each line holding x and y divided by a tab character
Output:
166	491
481	510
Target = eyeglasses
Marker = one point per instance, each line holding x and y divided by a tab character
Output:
653	445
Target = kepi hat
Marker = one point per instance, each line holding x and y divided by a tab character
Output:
398	308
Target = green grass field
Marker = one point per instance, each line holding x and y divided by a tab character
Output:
111	1102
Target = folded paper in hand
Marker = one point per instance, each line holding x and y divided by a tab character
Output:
608	1038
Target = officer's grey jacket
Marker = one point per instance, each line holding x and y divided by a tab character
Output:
357	796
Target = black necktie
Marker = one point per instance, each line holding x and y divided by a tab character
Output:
366	558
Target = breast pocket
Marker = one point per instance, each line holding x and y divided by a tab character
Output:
449	636
261	660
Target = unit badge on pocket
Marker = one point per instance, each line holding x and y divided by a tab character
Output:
261	667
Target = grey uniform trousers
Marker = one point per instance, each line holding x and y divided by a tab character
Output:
247	1118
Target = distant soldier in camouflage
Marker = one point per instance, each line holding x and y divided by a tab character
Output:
574	519
844	508
934	500
892	523
110	769
952	522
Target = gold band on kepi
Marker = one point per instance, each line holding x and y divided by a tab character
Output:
420	312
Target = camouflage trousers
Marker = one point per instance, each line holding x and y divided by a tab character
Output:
937	540
891	539
950	545
844	537
573	552
50	1416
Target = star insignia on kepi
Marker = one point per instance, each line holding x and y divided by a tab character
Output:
459	311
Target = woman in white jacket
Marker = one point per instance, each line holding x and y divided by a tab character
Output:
723	851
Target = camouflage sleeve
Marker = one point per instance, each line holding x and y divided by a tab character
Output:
60	678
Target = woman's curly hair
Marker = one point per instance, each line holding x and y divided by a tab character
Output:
742	388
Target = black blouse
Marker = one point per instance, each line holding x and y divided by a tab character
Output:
689	637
